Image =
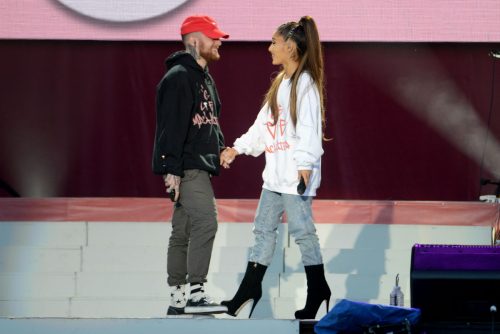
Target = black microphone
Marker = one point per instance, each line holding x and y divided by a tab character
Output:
301	188
172	195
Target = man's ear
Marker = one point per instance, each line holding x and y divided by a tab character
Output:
191	40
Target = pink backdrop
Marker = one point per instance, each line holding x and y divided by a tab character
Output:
338	20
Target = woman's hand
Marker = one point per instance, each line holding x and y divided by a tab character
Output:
306	174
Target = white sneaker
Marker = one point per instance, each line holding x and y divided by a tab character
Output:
203	305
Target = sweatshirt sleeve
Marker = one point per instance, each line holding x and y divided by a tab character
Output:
252	142
308	129
220	135
222	144
174	105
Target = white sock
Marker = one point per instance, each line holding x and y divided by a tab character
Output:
178	296
197	291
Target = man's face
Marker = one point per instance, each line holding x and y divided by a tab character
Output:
209	48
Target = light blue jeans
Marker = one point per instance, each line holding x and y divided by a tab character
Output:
270	210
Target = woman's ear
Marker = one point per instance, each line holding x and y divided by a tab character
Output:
291	48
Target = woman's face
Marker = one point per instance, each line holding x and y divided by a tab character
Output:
279	49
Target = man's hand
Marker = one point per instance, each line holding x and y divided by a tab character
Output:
227	157
172	182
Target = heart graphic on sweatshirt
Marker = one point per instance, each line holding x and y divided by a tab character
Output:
272	129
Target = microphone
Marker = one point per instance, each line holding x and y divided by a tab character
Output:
171	194
301	188
493	310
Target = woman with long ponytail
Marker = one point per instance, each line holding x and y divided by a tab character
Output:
289	129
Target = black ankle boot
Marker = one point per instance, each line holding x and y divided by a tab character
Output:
250	289
317	292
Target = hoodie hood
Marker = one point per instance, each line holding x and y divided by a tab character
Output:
182	58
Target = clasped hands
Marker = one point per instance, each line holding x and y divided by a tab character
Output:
227	157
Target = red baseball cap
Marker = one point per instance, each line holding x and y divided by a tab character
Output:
204	24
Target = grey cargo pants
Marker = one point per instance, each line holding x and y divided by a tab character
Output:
194	224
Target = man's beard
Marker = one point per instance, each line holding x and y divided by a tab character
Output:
210	55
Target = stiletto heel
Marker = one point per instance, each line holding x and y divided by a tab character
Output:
242	306
317	292
253	307
250	290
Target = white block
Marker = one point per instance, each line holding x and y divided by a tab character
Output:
451	235
106	288
43	234
121	258
121	285
223	286
128	234
398	236
234	235
347	286
158	234
235	259
154	259
99	307
357	260
286	307
35	259
241	235
34	308
36	286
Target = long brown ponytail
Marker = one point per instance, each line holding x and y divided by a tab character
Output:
310	57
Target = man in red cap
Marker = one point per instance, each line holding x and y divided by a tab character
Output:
187	147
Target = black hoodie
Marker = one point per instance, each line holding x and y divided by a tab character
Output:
188	135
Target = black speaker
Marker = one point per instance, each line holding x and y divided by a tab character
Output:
455	283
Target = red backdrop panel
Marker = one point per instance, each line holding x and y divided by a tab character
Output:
77	118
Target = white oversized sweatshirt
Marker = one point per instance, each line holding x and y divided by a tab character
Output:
288	148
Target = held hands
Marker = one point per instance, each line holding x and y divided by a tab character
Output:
227	157
172	182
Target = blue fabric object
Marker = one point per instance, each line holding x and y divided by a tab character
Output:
348	317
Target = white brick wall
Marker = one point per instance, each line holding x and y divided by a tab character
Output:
118	270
